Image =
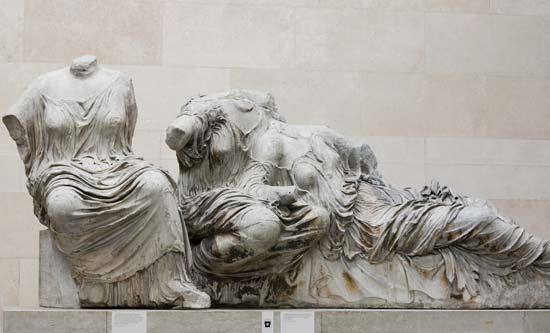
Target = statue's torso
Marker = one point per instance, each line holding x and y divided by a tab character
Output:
92	132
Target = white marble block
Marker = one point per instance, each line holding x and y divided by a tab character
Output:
57	289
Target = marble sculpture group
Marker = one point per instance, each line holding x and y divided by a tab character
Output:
263	213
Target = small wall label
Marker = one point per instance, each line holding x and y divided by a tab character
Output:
297	322
128	322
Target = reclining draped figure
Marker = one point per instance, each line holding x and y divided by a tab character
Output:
285	215
113	215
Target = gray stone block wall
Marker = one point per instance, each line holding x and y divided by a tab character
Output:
249	321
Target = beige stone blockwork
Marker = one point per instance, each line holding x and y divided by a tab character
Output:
12	178
401	175
309	97
494	181
280	3
7	146
518	107
533	215
323	41
522	7
28	282
18	226
123	31
11	30
228	36
458	6
454	105
17	77
357	39
489	44
161	91
487	151
415	105
393	104
422	105
385	5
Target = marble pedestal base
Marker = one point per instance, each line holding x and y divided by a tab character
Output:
18	320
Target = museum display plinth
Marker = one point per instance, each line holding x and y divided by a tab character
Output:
32	320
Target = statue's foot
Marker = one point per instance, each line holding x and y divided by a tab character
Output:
194	299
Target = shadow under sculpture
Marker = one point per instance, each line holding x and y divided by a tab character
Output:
285	215
114	216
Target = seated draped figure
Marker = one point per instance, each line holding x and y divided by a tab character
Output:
288	215
114	216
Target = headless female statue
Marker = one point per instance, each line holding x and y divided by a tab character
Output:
112	214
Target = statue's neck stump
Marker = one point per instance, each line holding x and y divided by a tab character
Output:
84	66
